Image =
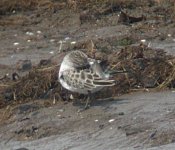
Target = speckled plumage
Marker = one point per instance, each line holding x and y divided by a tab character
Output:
81	74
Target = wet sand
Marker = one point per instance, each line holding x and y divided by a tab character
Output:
132	121
138	120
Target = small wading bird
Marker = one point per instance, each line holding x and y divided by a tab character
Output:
81	74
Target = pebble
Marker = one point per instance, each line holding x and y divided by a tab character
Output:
29	33
169	35
22	148
39	32
67	38
73	42
61	110
147	90
149	44
51	52
24	65
52	40
111	120
143	41
16	43
121	113
71	97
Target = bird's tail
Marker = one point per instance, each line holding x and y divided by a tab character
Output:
104	82
107	81
114	72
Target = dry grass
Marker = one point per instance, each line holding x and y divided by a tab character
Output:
146	68
7	6
23	4
14	20
169	79
42	6
143	63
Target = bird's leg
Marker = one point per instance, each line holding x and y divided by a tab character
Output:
87	103
88	100
82	98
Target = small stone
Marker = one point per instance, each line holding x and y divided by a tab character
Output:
149	44
73	42
16	43
71	97
111	120
29	33
143	41
15	76
51	52
169	35
22	148
168	111
101	126
121	113
52	40
61	110
39	32
147	90
24	65
67	38
44	62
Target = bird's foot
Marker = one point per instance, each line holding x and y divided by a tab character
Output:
84	108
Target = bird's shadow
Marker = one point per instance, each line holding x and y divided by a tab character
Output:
102	102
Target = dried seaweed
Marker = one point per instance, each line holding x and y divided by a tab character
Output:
146	67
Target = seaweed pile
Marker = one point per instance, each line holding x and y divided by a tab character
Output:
146	67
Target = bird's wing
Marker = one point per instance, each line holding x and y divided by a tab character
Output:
85	79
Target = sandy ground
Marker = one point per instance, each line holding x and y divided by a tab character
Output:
139	120
132	121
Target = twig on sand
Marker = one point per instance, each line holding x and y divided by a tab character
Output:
168	80
48	68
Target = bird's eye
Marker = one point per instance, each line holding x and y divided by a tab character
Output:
62	77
